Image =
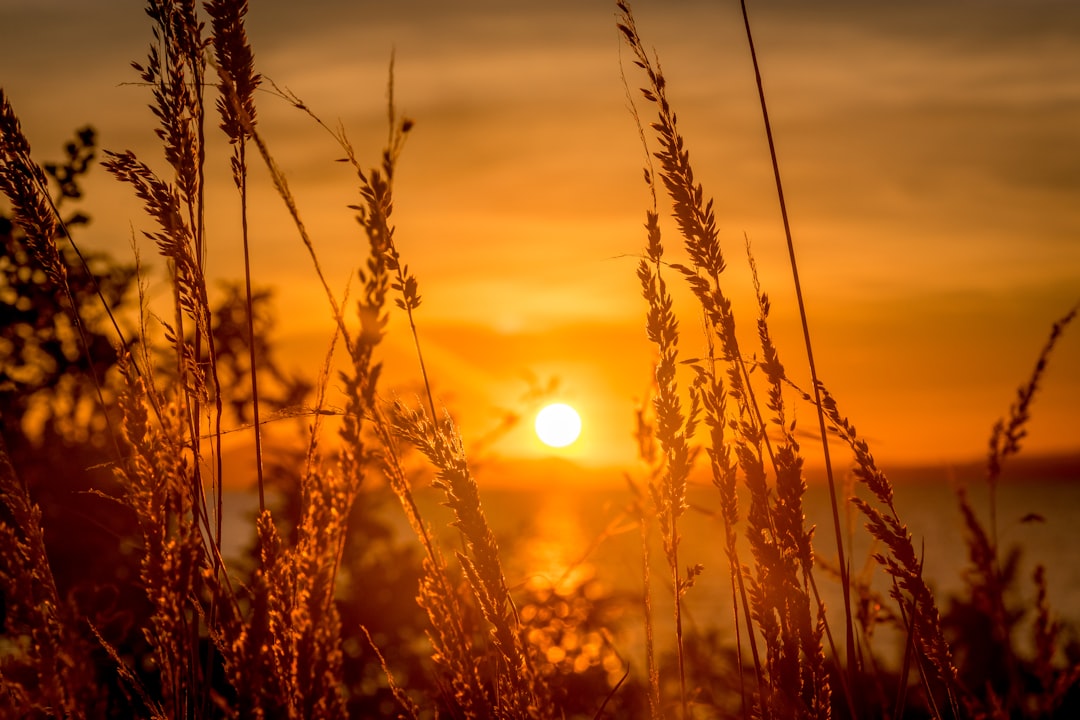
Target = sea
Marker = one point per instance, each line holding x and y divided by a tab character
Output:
564	535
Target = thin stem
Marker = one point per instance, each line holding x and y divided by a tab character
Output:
678	609
282	187
845	580
241	180
650	655
419	355
738	644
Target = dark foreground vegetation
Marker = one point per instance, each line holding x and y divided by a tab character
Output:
115	598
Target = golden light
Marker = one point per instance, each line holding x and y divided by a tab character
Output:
558	425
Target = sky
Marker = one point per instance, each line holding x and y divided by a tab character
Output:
930	155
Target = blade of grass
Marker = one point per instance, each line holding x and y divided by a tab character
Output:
845	580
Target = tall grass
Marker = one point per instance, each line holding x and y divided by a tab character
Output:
272	640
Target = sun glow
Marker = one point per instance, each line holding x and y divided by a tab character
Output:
558	425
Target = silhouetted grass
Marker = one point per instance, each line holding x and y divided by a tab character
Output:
452	637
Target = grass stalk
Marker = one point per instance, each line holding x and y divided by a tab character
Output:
644	434
673	428
242	162
845	580
235	64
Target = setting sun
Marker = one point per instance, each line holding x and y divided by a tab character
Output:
558	425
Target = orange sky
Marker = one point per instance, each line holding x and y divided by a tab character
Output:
931	157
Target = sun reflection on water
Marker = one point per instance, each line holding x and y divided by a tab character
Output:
567	608
555	549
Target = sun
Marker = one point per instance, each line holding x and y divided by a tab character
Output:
558	425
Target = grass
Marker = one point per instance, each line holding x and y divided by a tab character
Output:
334	617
